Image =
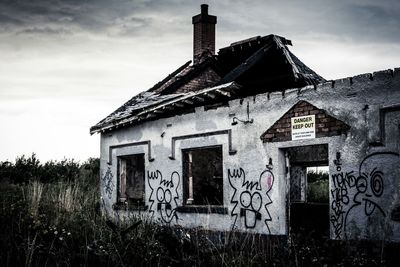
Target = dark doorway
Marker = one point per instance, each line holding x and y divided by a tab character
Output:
308	205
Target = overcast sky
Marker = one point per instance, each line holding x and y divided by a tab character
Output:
66	64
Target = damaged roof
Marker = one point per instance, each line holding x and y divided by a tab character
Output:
248	67
171	106
133	106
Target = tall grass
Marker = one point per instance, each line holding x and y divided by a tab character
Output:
35	190
56	222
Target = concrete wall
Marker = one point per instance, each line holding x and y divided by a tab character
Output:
363	164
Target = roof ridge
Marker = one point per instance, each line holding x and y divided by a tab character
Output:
166	79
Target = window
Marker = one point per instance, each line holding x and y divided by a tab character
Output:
202	170
131	179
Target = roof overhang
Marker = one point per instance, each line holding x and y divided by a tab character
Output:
170	108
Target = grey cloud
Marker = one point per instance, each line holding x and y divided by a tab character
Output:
9	20
375	21
364	21
44	30
92	16
367	20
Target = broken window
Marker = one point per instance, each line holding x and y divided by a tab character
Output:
309	184
318	184
131	179
203	183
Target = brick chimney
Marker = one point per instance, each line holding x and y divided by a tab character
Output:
203	33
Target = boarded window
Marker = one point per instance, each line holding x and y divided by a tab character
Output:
203	183
131	179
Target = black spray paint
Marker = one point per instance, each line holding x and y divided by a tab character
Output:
367	188
248	196
370	185
108	183
165	193
342	182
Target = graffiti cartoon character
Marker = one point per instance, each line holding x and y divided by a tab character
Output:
250	210
369	189
371	197
251	198
166	195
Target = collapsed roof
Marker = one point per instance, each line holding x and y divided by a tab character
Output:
248	67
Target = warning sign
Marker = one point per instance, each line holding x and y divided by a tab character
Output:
303	127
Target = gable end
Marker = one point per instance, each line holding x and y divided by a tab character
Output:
325	125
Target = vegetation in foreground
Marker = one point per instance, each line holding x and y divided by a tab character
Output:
49	216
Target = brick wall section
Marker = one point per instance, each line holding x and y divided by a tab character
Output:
325	125
203	39
205	79
203	33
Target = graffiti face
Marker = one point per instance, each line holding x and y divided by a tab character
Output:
370	187
166	194
251	197
373	193
251	205
164	198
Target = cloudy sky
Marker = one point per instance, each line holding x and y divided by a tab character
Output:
66	64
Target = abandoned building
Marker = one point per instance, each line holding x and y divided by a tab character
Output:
230	140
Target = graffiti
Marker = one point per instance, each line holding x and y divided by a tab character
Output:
108	183
150	177
268	177
359	196
165	193
342	182
247	197
370	185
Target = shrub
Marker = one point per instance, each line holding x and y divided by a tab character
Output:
28	169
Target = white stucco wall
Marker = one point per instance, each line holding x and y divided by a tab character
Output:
357	101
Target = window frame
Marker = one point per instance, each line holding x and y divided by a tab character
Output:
123	201
201	208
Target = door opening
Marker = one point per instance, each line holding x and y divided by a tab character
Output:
308	200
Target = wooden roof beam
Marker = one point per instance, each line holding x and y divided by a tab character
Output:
150	115
168	108
187	101
210	95
199	98
157	111
178	104
224	93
